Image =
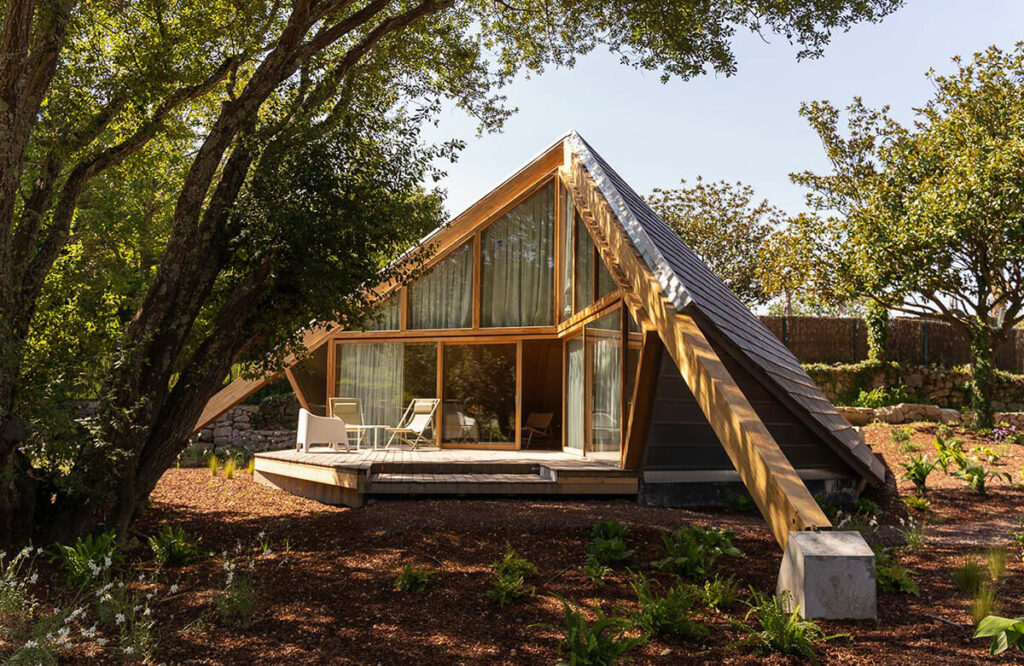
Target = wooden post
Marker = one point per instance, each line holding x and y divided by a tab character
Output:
643	400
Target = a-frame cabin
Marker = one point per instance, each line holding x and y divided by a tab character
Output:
561	292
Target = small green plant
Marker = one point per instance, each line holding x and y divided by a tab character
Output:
913	533
672	614
908	447
900	435
780	629
93	559
692	551
868	507
970	575
230	466
172	546
127	613
720	592
237	601
213	462
1004	632
608	545
917	471
513	564
976	476
892	576
413	579
595	571
881	397
987	453
996	560
250	467
603	642
510	573
951	452
829	509
917	503
739	503
944	431
983	604
17	603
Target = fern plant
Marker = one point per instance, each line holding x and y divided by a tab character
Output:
692	551
172	546
670	614
92	559
608	545
413	579
780	630
893	576
603	642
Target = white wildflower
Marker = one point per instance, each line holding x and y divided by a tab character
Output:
146	612
25	552
93	567
119	618
142	577
174	588
106	597
231	577
128	649
101	641
261	534
31	644
107	562
33	578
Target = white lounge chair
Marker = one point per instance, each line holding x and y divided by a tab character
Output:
418	418
315	429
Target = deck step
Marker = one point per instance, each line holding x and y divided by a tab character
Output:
421	478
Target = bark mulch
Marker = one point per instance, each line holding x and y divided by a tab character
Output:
324	592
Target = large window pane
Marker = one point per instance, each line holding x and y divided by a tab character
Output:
574	395
518	264
385	316
604	338
372	374
584	267
479	393
566	242
605	281
443	298
419	372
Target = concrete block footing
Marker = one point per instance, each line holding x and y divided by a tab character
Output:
829	575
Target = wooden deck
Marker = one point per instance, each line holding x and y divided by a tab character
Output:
347	478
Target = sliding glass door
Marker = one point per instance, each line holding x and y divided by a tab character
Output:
574	395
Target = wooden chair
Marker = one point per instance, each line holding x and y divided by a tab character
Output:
418	418
319	430
538	423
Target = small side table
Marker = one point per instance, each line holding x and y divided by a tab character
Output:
369	433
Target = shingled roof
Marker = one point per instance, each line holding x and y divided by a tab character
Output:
692	286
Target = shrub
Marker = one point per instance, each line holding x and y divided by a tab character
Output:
975	475
1004	632
595	571
230	465
692	551
609	543
917	471
172	546
780	630
237	601
996	560
720	592
671	614
909	447
93	559
917	503
970	575
512	564
892	576
213	462
413	579
983	604
600	643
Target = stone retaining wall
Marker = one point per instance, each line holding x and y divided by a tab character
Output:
251	429
910	413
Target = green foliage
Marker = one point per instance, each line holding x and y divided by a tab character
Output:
739	503
781	629
917	503
868	506
917	471
951	452
882	397
510	573
413	579
996	560
17	603
900	435
970	575
1004	632
913	533
92	559
250	467
513	564
944	431
230	465
892	576
236	603
826	507
720	592
976	476
671	614
608	545
172	546
877	320
126	613
983	604
692	551
595	571
603	642
213	462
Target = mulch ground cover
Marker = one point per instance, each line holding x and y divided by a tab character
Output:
324	591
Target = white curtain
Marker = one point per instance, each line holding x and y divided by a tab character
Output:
372	373
567	250
385	316
607	394
518	264
574	395
443	298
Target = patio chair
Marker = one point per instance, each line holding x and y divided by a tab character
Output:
538	423
319	430
417	419
347	409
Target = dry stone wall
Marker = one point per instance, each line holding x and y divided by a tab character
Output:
912	413
251	429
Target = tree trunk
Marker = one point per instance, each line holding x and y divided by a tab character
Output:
982	375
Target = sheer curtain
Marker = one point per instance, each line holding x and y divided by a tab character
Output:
385	316
443	297
574	395
518	264
584	267
372	373
567	246
607	351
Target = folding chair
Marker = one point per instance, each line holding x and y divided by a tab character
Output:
417	419
538	423
347	409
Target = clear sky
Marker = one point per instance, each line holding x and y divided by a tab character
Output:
745	127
